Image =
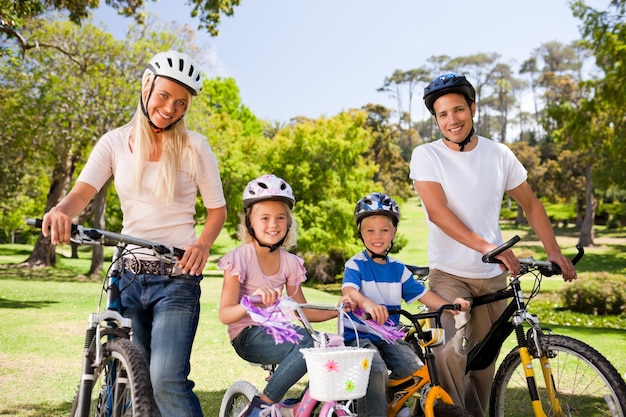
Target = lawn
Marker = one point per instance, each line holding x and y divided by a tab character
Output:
45	314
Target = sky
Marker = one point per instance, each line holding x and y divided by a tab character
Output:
316	58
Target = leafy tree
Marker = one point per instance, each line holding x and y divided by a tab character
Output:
13	14
322	160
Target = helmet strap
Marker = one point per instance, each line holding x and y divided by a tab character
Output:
464	141
273	247
373	254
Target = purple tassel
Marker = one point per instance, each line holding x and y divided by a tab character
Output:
276	322
389	332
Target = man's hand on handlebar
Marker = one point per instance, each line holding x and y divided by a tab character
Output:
567	267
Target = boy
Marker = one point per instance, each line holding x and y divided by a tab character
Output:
377	282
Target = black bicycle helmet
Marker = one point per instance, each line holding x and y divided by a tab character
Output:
445	84
377	203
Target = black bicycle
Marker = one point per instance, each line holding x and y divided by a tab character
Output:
575	379
115	379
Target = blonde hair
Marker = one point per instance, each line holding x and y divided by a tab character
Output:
292	235
176	150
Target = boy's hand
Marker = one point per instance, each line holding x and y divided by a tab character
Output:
348	303
465	305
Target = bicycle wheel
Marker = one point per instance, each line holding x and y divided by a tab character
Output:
237	398
122	382
586	383
449	410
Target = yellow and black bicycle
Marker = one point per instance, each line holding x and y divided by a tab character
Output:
545	374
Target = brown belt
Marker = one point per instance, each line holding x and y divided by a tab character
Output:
148	267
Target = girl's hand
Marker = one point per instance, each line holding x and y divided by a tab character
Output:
268	295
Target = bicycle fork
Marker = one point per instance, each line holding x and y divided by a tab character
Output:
526	358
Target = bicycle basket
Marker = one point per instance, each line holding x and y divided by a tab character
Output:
338	373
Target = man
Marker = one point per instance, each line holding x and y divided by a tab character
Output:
461	180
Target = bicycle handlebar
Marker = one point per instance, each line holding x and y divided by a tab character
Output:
91	236
415	318
547	268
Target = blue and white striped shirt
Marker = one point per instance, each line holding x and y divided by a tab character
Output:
386	284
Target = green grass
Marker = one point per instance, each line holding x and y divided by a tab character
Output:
44	314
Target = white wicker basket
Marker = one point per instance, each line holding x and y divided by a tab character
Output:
338	373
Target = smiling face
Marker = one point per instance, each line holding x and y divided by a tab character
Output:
377	232
270	221
454	116
168	102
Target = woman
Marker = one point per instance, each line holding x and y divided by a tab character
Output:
158	168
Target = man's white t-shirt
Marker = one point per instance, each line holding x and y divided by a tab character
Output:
474	183
147	216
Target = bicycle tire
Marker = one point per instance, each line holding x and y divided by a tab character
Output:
236	398
130	393
449	410
587	383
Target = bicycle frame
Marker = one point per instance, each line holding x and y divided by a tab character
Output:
109	355
512	319
426	378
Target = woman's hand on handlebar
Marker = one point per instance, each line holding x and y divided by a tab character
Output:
57	225
194	259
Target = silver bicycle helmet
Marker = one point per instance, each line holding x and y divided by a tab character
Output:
445	84
268	187
178	67
377	203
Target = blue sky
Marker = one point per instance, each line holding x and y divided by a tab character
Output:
316	58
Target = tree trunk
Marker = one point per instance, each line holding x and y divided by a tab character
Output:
99	222
586	231
44	253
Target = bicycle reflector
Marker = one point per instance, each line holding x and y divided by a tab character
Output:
433	337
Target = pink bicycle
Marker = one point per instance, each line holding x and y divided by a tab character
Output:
337	374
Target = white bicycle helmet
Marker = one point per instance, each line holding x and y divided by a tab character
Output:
377	203
268	187
178	67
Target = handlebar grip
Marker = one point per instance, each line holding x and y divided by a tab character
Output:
34	222
256	299
490	257
39	222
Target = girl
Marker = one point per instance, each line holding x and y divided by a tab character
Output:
261	266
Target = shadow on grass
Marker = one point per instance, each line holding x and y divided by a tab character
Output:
6	303
210	401
43	274
38	410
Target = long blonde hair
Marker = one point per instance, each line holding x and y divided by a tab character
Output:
176	151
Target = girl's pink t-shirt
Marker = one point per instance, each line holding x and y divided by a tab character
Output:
243	263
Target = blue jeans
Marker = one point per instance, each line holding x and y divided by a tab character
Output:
399	358
165	313
255	345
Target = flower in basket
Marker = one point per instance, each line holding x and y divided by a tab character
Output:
350	385
331	366
365	364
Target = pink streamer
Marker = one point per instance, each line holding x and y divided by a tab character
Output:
388	331
275	321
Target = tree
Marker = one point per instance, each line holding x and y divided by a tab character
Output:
67	100
13	14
